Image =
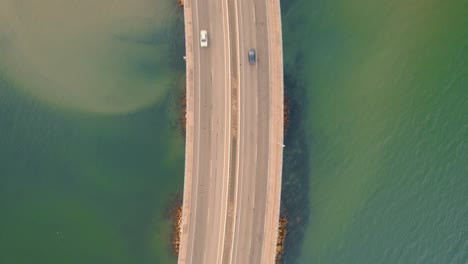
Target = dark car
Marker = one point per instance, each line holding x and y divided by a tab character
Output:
252	56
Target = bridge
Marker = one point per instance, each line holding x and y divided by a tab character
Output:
234	132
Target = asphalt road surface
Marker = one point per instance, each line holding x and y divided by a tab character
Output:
229	170
254	133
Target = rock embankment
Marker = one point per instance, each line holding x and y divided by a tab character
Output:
285	114
183	110
176	218
281	237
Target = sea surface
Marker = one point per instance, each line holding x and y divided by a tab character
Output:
379	108
92	150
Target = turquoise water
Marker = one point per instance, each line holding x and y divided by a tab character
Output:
381	87
91	151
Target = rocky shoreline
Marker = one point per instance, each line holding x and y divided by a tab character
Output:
283	221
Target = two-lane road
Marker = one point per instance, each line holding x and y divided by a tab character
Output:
255	123
202	238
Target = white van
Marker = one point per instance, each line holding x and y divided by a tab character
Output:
203	38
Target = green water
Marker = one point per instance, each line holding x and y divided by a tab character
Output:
383	91
91	152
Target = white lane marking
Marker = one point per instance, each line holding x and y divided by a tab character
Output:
211	173
213	96
223	196
195	202
253	13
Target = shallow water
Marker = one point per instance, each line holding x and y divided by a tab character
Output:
382	90
100	56
91	151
